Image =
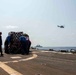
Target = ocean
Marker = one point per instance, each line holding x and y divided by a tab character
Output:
56	48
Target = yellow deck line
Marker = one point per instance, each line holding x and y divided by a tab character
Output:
9	70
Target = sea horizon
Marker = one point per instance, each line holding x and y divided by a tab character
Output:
57	48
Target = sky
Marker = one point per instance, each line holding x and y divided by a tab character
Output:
39	19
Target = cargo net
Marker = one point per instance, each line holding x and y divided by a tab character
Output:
16	35
15	45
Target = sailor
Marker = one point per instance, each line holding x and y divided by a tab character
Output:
1	44
23	44
28	44
8	43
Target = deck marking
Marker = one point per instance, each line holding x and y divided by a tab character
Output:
9	70
45	51
15	57
34	56
30	58
58	52
35	52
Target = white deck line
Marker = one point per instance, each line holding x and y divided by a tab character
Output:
58	52
30	58
16	57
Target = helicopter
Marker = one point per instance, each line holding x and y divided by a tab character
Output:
60	26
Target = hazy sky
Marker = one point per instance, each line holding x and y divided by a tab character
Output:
39	19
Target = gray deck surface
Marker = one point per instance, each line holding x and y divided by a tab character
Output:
46	63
